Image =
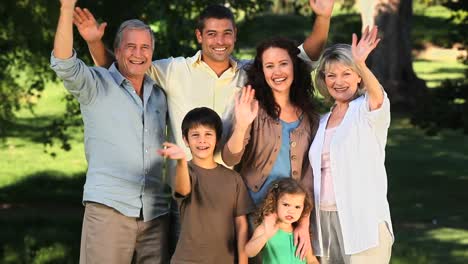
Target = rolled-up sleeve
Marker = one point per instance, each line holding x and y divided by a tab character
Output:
232	159
380	117
79	79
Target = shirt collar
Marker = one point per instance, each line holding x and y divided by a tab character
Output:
197	60
119	78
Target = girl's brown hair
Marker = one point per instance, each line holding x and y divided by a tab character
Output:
276	190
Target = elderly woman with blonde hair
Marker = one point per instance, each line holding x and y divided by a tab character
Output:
347	155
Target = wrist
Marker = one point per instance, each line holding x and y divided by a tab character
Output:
323	18
67	8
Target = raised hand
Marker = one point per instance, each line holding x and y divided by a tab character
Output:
270	224
172	151
366	44
322	7
90	30
246	107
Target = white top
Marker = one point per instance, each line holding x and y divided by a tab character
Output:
357	156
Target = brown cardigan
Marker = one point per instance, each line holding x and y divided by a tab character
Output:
261	147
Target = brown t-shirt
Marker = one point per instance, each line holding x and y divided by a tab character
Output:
207	215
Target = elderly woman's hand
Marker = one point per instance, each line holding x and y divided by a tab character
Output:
366	44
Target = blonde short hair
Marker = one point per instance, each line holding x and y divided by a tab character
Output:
338	53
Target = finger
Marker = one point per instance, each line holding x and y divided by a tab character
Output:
76	23
102	27
243	94
255	108
365	34
77	17
300	249
374	33
296	240
375	43
88	14
80	14
354	41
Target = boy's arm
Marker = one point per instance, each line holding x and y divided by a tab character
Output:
242	236
314	43
181	178
63	42
91	31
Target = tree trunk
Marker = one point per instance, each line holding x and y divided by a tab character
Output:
391	61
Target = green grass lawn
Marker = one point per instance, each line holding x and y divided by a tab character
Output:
40	195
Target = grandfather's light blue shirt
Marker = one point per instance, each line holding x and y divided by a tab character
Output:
121	134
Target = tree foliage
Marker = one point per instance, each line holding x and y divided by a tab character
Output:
27	29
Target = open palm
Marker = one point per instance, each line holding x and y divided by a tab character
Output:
246	107
90	30
322	7
366	44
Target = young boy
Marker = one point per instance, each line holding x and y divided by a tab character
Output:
212	199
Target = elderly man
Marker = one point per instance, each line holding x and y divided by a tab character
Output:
124	113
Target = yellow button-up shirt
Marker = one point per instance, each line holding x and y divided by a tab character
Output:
190	83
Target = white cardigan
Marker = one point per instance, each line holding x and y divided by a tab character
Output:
357	156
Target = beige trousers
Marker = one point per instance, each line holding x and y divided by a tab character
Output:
333	247
111	237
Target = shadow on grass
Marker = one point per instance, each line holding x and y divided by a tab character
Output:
428	179
40	219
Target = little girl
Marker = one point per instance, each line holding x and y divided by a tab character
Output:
286	202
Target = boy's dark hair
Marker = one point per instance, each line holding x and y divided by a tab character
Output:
202	116
214	11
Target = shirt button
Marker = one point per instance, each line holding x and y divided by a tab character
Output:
294	173
146	150
293	144
293	157
146	130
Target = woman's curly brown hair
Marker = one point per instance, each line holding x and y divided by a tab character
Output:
276	190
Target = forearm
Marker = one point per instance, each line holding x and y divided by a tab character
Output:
255	245
101	56
373	87
181	178
63	42
315	42
234	148
241	229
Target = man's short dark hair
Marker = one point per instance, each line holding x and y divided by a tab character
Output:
214	11
202	116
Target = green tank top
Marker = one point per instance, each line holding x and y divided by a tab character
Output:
280	249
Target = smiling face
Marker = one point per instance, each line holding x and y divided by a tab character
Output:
134	53
217	40
202	142
278	69
341	81
290	207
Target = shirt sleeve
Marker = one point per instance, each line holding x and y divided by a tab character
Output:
160	71
380	117
303	55
80	80
244	204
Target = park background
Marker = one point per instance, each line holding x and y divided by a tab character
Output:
421	62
